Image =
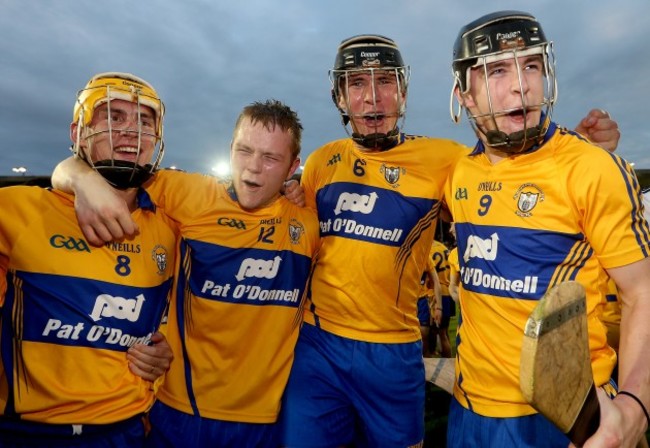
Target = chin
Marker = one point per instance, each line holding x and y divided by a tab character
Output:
248	205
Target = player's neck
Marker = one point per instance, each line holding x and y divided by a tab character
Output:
495	156
130	197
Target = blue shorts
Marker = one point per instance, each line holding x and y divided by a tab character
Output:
448	307
173	428
424	312
466	428
342	391
21	434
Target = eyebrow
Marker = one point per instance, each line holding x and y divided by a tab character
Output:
145	111
525	60
376	72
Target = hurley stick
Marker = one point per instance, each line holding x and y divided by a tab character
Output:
555	374
440	371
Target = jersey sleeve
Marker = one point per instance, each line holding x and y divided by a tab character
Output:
182	194
607	197
12	215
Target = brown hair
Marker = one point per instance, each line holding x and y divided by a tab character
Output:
272	113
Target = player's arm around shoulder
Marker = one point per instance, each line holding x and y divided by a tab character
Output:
102	213
181	194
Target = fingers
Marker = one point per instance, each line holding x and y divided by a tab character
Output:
594	117
148	373
103	214
290	184
600	129
147	367
109	229
100	229
294	192
599	113
150	361
91	236
124	223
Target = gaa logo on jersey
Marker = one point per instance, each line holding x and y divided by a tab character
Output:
69	242
159	255
231	222
296	229
392	174
527	197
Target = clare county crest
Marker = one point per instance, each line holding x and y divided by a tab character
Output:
527	197
296	229
159	255
392	174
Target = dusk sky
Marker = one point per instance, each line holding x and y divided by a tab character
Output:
209	58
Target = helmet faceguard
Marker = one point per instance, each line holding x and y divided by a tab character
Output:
376	56
103	89
496	37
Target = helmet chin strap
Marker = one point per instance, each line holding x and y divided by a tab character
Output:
122	174
515	142
378	141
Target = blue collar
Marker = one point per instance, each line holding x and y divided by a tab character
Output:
144	200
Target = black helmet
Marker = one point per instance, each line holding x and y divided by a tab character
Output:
495	36
369	52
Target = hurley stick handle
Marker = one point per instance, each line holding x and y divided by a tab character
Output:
588	419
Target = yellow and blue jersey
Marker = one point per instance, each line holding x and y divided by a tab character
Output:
235	313
563	211
440	256
437	263
377	211
71	310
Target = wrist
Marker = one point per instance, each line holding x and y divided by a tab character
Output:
635	405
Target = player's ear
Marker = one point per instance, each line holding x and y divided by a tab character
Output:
73	132
294	166
464	99
340	101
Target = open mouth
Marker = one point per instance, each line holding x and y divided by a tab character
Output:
127	149
373	120
251	184
128	153
518	113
